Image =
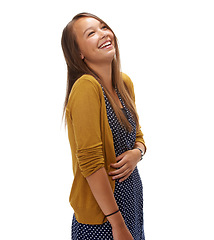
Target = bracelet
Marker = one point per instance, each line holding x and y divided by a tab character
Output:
112	213
142	153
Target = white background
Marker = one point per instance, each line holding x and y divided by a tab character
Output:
167	49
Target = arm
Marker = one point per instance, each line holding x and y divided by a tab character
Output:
103	194
129	159
140	145
130	86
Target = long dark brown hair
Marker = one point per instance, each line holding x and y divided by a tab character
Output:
76	67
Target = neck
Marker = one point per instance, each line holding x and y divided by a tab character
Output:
104	71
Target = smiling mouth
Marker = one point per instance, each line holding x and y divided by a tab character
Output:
105	45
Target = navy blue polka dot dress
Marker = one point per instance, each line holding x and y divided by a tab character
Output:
128	194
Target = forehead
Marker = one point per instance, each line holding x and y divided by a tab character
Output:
84	23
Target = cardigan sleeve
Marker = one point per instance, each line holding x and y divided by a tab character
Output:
84	107
130	85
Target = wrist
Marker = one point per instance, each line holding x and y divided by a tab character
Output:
112	213
141	152
116	220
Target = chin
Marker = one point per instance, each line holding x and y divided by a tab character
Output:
110	55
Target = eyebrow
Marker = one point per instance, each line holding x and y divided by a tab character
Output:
87	30
91	28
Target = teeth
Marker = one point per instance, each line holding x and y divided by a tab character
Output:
105	44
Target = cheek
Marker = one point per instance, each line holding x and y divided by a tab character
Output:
90	45
111	35
92	42
85	47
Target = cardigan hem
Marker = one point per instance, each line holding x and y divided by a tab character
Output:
90	218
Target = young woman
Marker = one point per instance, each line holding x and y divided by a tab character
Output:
104	133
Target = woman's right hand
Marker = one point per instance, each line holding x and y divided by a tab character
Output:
121	233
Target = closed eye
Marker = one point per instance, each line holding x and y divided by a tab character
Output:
104	27
92	32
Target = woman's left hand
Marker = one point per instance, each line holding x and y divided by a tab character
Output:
126	165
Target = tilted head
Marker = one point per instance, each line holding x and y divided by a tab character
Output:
88	40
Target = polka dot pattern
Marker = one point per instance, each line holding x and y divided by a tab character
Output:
128	194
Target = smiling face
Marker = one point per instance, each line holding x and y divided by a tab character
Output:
95	40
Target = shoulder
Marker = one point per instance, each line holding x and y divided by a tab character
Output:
86	84
127	80
128	84
84	88
86	81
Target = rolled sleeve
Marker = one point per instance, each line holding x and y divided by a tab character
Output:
85	108
90	159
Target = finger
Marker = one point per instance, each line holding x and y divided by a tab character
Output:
119	164
125	177
121	175
120	156
118	171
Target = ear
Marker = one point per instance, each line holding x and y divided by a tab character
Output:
81	55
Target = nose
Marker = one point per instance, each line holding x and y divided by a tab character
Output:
103	34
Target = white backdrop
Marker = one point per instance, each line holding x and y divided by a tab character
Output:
167	49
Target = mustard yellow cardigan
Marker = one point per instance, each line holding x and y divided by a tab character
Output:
91	143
